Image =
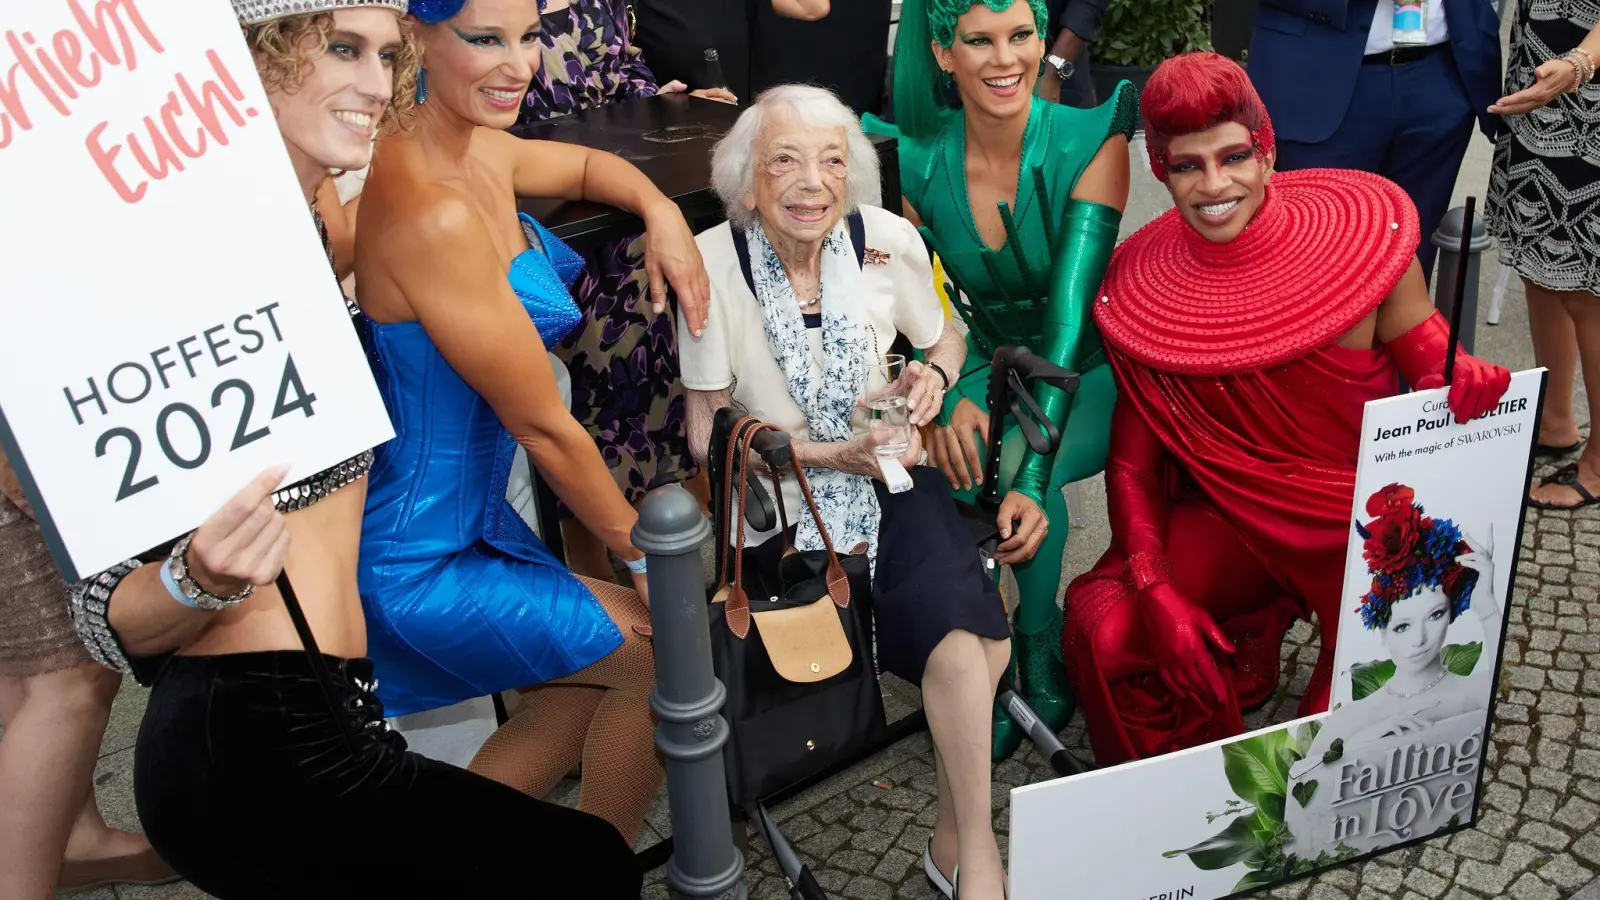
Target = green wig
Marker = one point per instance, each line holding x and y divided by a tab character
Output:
919	91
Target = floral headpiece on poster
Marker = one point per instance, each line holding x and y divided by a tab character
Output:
1408	552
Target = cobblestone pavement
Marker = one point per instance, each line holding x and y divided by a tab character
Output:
1536	837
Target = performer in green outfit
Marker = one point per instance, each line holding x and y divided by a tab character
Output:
1021	199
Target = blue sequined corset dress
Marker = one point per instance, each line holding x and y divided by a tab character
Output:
462	599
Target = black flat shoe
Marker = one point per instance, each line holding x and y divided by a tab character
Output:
1566	476
1546	451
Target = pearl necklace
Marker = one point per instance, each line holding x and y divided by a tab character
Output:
1389	689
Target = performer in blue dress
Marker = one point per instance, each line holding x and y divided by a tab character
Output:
461	298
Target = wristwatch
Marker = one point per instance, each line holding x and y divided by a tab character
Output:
1062	66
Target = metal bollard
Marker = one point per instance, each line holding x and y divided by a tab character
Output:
688	699
1447	237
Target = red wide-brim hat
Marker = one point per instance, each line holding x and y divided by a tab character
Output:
1324	250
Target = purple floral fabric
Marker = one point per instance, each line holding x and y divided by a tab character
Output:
622	356
588	60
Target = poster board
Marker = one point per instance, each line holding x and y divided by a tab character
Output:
171	325
1386	766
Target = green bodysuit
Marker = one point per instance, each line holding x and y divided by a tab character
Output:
1036	291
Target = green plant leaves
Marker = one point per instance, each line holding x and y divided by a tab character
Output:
1305	736
1335	752
1256	771
1238	843
1368	677
1303	792
1461	659
1254	880
1146	32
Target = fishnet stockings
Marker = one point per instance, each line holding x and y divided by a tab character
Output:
599	715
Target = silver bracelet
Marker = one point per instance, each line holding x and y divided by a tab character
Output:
87	601
203	599
637	566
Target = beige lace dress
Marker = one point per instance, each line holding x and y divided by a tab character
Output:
36	633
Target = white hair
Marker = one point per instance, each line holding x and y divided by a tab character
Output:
733	159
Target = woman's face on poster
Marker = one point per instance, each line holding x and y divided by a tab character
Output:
1416	631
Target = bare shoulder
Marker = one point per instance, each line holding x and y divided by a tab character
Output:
422	219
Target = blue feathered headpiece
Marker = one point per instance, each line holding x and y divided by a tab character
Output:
432	11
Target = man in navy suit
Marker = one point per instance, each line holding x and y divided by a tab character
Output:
1343	95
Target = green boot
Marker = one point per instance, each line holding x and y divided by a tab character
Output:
1044	676
1008	734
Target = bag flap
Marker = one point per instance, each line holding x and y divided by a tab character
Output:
805	643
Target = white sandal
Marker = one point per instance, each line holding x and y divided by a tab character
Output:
935	877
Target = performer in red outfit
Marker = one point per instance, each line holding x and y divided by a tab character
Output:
1246	329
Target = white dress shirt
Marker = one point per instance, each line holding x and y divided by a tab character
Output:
1381	38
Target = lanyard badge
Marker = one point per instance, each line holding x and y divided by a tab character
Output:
1409	30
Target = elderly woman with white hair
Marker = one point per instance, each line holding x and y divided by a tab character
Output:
810	287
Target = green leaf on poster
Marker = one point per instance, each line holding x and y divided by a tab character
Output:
1254	880
1304	791
1254	768
1238	843
1270	806
1335	752
1461	659
1367	678
1305	735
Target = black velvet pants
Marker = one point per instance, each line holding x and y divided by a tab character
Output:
248	785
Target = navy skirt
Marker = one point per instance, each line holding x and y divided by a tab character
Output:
929	581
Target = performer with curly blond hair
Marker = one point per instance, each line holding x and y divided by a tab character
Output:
265	769
1247	328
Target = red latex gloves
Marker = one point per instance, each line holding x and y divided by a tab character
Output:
1182	637
1476	386
1182	640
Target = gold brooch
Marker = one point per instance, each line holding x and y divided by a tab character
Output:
875	257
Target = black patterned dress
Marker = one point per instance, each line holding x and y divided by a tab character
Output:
1544	192
623	356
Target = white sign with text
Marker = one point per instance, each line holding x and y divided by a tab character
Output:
171	324
1435	533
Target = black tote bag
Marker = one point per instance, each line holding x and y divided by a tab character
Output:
796	658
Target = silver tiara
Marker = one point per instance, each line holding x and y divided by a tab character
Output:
254	12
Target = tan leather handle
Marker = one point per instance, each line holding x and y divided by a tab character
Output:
838	582
736	610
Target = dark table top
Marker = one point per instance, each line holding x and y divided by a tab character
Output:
670	139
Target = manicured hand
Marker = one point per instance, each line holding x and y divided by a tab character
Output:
672	258
245	542
1023	526
1551	80
954	448
1184	640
